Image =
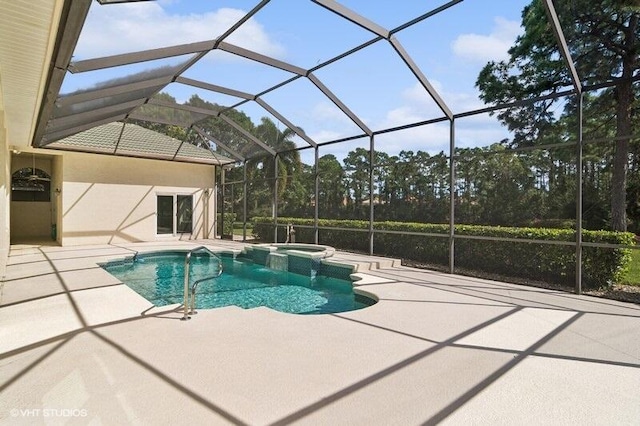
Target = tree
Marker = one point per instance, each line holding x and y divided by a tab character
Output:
222	131
332	189
288	158
357	166
180	132
603	41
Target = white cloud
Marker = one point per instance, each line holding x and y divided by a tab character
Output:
484	48
432	138
479	130
417	97
146	25
326	111
474	134
327	122
417	106
325	135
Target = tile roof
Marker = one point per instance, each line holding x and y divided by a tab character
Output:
136	141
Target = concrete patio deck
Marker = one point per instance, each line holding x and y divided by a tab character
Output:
79	347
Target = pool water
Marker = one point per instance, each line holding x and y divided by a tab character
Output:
159	278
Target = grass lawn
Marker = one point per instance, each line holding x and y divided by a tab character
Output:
633	274
238	231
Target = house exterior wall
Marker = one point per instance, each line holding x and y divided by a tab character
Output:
106	199
5	190
30	221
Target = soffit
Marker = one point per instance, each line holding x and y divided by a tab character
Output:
27	32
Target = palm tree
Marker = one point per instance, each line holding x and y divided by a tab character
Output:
289	164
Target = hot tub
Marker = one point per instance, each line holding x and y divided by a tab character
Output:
303	259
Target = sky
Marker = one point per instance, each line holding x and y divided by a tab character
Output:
450	49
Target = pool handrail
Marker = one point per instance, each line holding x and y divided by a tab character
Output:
194	288
187	261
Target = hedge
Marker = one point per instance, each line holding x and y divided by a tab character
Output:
535	261
229	219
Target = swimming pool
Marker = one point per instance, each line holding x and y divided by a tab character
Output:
159	278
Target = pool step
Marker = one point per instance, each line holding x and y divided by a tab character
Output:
361	262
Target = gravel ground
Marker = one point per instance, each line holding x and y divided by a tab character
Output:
623	293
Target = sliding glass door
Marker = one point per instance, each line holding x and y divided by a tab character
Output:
184	218
174	214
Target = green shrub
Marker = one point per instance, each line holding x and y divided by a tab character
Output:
229	218
553	223
552	263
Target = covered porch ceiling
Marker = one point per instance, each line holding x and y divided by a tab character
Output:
28	31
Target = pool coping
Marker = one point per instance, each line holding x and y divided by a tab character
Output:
356	279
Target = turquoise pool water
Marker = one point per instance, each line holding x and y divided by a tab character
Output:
159	278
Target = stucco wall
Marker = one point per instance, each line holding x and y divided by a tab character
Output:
5	179
108	199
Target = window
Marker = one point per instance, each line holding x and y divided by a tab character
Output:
174	214
29	184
